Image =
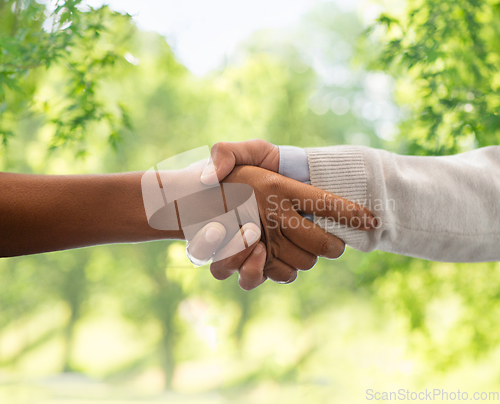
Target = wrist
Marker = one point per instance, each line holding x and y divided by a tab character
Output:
293	163
132	223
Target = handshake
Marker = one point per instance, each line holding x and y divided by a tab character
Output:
247	209
240	213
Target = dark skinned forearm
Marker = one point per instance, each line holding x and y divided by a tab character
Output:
41	213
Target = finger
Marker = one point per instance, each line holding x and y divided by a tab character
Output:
293	255
251	273
204	244
313	200
226	155
312	238
223	268
279	272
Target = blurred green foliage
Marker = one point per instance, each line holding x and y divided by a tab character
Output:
86	82
447	53
82	44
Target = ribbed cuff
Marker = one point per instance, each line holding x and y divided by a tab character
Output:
340	170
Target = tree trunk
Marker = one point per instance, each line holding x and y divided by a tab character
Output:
168	361
68	343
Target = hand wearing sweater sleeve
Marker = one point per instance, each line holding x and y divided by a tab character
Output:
437	208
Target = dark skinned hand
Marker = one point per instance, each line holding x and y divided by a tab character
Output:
288	242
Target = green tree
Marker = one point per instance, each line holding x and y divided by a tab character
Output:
446	56
83	43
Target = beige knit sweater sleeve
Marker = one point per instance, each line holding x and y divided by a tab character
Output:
437	208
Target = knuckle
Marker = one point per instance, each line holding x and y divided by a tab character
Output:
323	247
219	146
262	144
358	212
274	181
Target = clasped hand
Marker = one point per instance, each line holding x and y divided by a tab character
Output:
288	242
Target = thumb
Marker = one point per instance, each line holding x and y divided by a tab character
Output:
226	155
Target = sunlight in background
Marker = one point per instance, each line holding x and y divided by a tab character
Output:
202	33
122	323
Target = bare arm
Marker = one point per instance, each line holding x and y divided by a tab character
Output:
40	213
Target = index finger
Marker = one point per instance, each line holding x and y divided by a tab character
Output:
312	200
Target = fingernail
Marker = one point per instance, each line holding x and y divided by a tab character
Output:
209	175
250	236
213	234
258	249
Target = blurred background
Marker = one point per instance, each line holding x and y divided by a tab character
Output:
89	87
